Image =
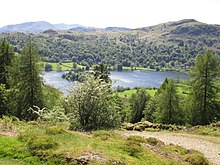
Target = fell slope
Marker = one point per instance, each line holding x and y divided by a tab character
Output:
170	46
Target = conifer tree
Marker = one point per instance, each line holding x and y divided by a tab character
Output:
167	104
137	102
30	83
205	106
6	55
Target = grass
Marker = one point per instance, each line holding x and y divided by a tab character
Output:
191	156
47	144
8	161
66	66
183	89
128	93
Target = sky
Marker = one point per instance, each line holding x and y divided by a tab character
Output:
106	13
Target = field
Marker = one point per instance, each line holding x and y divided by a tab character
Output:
61	66
182	89
128	93
68	66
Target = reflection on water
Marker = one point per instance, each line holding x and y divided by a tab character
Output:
143	78
125	79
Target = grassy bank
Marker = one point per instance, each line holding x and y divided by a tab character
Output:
35	143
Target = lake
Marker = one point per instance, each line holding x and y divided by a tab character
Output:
124	78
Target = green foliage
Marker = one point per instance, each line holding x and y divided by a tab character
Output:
6	56
167	104
54	130
197	159
138	139
36	143
211	130
52	97
130	49
3	100
12	148
92	105
101	72
137	104
48	67
103	135
75	74
205	104
150	109
133	145
153	141
191	156
29	83
55	115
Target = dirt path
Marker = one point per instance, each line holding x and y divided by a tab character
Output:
210	150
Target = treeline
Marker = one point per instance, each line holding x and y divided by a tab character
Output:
121	48
93	104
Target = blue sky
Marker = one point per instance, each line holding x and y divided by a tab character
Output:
104	13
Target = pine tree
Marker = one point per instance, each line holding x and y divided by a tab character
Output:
6	55
205	107
167	104
30	83
137	104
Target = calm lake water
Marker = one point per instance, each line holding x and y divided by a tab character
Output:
124	78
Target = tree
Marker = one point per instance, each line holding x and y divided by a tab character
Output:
101	72
167	104
150	109
137	104
48	67
2	100
6	56
30	83
92	105
205	107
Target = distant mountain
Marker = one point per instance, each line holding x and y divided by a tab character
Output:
167	46
36	27
116	29
41	26
85	29
185	32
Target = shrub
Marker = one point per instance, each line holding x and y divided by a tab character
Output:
92	105
154	141
197	159
133	148
37	143
138	139
103	135
54	130
41	143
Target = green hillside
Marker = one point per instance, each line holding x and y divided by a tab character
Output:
168	46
